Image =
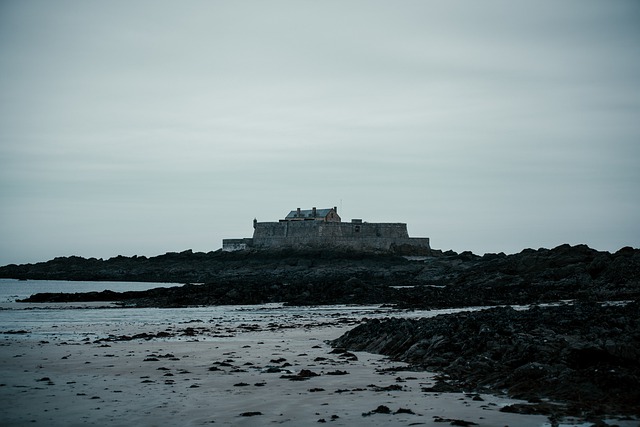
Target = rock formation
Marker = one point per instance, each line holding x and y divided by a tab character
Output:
441	280
586	355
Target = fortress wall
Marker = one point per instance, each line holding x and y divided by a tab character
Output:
359	236
419	241
362	244
315	229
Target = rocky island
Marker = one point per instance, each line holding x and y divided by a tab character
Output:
440	280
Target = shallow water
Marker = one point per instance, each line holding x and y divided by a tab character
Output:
11	289
74	321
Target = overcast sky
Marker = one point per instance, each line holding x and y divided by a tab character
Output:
141	127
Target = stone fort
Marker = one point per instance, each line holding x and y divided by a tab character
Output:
324	229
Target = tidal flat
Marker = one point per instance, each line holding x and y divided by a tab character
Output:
262	365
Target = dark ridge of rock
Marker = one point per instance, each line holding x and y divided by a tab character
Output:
442	280
250	414
586	355
198	267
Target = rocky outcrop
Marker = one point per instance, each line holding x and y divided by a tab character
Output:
198	267
531	276
236	292
586	355
319	277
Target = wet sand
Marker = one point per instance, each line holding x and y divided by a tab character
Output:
285	376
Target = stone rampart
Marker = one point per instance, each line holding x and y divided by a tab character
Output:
354	235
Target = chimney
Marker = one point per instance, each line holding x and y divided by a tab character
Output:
314	211
298	213
335	209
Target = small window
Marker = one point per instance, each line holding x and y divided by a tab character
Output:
357	228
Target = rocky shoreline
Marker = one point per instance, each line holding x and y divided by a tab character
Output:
442	280
585	357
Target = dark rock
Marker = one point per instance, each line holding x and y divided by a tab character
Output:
453	422
441	280
392	387
587	355
348	356
337	372
250	414
382	409
532	409
303	375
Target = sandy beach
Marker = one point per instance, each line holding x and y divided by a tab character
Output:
198	373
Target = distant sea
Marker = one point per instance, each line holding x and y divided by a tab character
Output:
46	321
12	290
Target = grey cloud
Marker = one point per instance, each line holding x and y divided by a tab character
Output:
153	126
